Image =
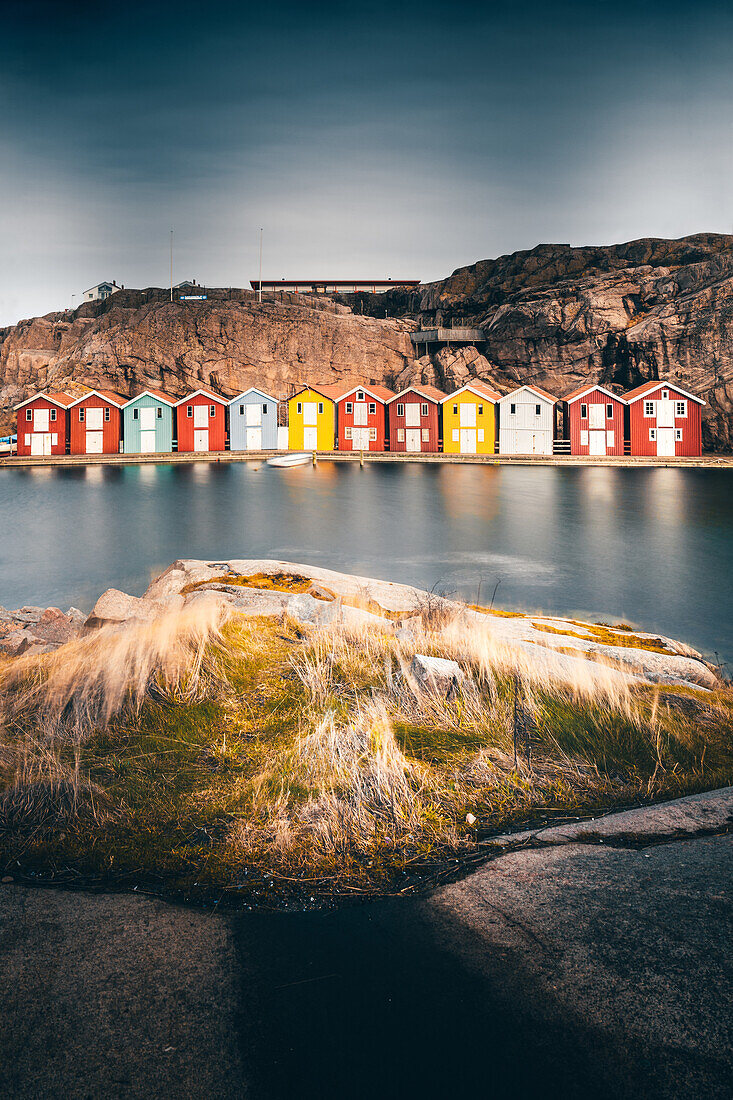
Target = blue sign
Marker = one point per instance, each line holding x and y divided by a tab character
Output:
192	298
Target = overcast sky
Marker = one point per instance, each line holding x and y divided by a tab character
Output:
368	139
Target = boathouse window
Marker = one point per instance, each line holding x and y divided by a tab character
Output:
106	413
360	395
583	437
348	432
189	410
583	412
349	408
400	435
300	406
320	406
81	416
135	414
665	395
512	410
29	414
648	408
372	435
241	410
400	410
537	410
264	408
423	410
455	435
680	408
678	434
481	410
212	410
372	408
53	414
426	435
455	410
159	412
652	435
54	439
609	411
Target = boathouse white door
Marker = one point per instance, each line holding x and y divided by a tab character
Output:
310	437
310	413
665	442
597	443
254	439
41	443
147	431
468	441
412	416
40	420
360	414
360	439
201	416
665	415
95	442
253	413
200	438
412	437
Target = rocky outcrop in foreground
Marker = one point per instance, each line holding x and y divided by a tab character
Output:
554	646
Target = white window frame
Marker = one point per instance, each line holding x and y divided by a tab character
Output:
400	409
135	414
348	431
480	410
320	408
425	435
372	408
349	408
665	395
212	411
455	435
359	395
241	410
52	416
158	411
106	413
538	410
424	409
455	410
583	437
678	435
189	411
372	435
649	408
652	435
400	435
583	411
680	405
512	410
300	407
609	410
81	415
29	414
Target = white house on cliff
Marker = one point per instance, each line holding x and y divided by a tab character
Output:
101	291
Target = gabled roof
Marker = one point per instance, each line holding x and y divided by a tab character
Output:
575	395
106	395
206	393
105	282
477	386
532	389
158	395
649	387
332	392
252	389
380	392
63	400
430	392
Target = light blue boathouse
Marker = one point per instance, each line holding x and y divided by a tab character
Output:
147	423
253	421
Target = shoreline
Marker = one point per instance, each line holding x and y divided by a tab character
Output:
708	461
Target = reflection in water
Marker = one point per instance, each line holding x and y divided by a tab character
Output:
642	545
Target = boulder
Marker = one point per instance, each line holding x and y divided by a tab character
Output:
114	606
437	674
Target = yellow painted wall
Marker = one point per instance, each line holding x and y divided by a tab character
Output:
485	420
326	422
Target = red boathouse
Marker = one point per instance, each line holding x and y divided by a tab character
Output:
43	424
201	421
95	423
664	420
594	421
362	418
414	419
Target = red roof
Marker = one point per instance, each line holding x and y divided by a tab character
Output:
160	394
332	392
588	388
63	400
380	392
106	395
207	391
649	387
424	391
483	389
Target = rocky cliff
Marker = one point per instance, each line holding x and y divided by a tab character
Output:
619	315
554	315
140	338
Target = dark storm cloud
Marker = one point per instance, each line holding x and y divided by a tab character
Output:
388	139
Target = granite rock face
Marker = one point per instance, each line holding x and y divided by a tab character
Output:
554	315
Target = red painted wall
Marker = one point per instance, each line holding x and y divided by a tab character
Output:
431	422
216	423
111	429
691	425
376	420
59	427
574	423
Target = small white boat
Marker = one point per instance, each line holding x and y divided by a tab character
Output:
299	458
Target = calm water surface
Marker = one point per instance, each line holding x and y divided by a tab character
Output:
653	547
